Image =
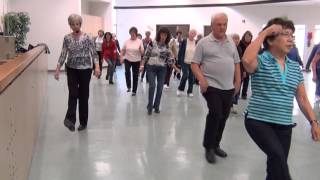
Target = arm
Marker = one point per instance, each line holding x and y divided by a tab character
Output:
141	48
314	66
199	75
250	61
306	109
95	56
62	58
146	56
122	53
237	78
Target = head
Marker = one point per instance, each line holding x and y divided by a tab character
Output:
75	22
192	34
247	37
219	24
179	34
148	33
199	36
236	39
282	41
139	36
163	35
133	31
108	36
100	33
114	36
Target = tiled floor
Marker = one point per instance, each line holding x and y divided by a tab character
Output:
124	143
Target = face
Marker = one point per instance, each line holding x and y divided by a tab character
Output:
236	39
133	35
139	37
192	34
163	37
100	34
147	34
248	38
108	37
219	26
75	26
284	41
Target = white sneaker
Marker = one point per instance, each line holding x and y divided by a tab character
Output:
166	86
190	95
233	110
179	93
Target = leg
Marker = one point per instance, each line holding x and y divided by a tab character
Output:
245	86
190	80
265	135
135	76
111	64
73	82
127	66
161	74
185	74
152	84
168	75
84	96
100	61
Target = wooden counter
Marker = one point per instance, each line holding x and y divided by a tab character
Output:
23	88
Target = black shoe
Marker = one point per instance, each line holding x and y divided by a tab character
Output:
81	128
220	152
111	82
128	90
244	97
67	123
210	156
134	94
149	111
157	111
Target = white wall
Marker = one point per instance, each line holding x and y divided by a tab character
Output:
254	15
3	10
175	2
48	22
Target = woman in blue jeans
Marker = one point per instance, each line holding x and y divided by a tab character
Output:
157	57
276	80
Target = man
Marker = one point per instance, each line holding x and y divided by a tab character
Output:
219	80
185	55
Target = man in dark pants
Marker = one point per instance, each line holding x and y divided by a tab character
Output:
219	80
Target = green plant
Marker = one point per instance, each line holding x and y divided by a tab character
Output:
17	24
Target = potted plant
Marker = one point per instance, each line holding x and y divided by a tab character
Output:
17	24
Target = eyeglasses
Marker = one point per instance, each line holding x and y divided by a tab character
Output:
287	34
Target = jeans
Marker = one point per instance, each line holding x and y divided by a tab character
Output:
274	140
186	75
168	75
78	85
144	72
111	69
135	74
100	62
245	85
219	104
153	73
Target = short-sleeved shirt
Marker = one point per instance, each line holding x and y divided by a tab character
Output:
217	59
132	52
273	90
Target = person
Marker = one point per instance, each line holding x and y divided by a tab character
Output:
146	41
311	56
139	36
109	52
178	41
78	48
275	81
174	51
316	72
131	56
199	37
114	38
294	55
216	65
157	57
185	55
98	43
244	43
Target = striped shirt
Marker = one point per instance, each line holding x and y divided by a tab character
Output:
273	90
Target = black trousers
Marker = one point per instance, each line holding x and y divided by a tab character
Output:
219	103
78	85
135	74
100	62
274	140
245	85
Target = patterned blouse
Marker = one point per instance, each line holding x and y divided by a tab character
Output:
78	52
158	55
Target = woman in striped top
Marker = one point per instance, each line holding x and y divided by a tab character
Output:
276	80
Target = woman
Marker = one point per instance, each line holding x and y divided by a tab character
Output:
131	56
109	52
78	49
275	81
157	57
244	43
174	51
98	43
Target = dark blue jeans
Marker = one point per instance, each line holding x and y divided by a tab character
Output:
155	73
186	75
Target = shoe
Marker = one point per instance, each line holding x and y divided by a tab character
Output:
81	128
157	111
244	97
166	86
190	95
210	156
233	110
67	123
179	93
149	111
129	90
220	152
134	94
111	82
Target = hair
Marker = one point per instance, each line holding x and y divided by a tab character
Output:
134	30
139	35
147	32
165	31
74	18
101	31
107	33
243	38
215	16
178	32
284	22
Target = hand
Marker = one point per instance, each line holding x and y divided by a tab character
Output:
97	71
57	74
141	68
203	85
314	78
244	75
121	60
273	30
315	131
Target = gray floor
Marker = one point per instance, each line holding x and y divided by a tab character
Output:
124	143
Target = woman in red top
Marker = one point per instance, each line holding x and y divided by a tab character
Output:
109	52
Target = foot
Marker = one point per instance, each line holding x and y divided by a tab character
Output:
244	97
190	95
233	110
67	123
210	156
134	94
149	111
129	90
81	128
157	111
111	82
166	86
179	93
220	152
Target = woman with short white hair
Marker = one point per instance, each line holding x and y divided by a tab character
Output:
77	49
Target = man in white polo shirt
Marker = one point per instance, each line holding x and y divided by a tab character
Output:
216	66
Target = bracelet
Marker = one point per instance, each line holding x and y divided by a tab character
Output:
316	121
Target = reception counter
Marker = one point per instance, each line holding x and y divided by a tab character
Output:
23	87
